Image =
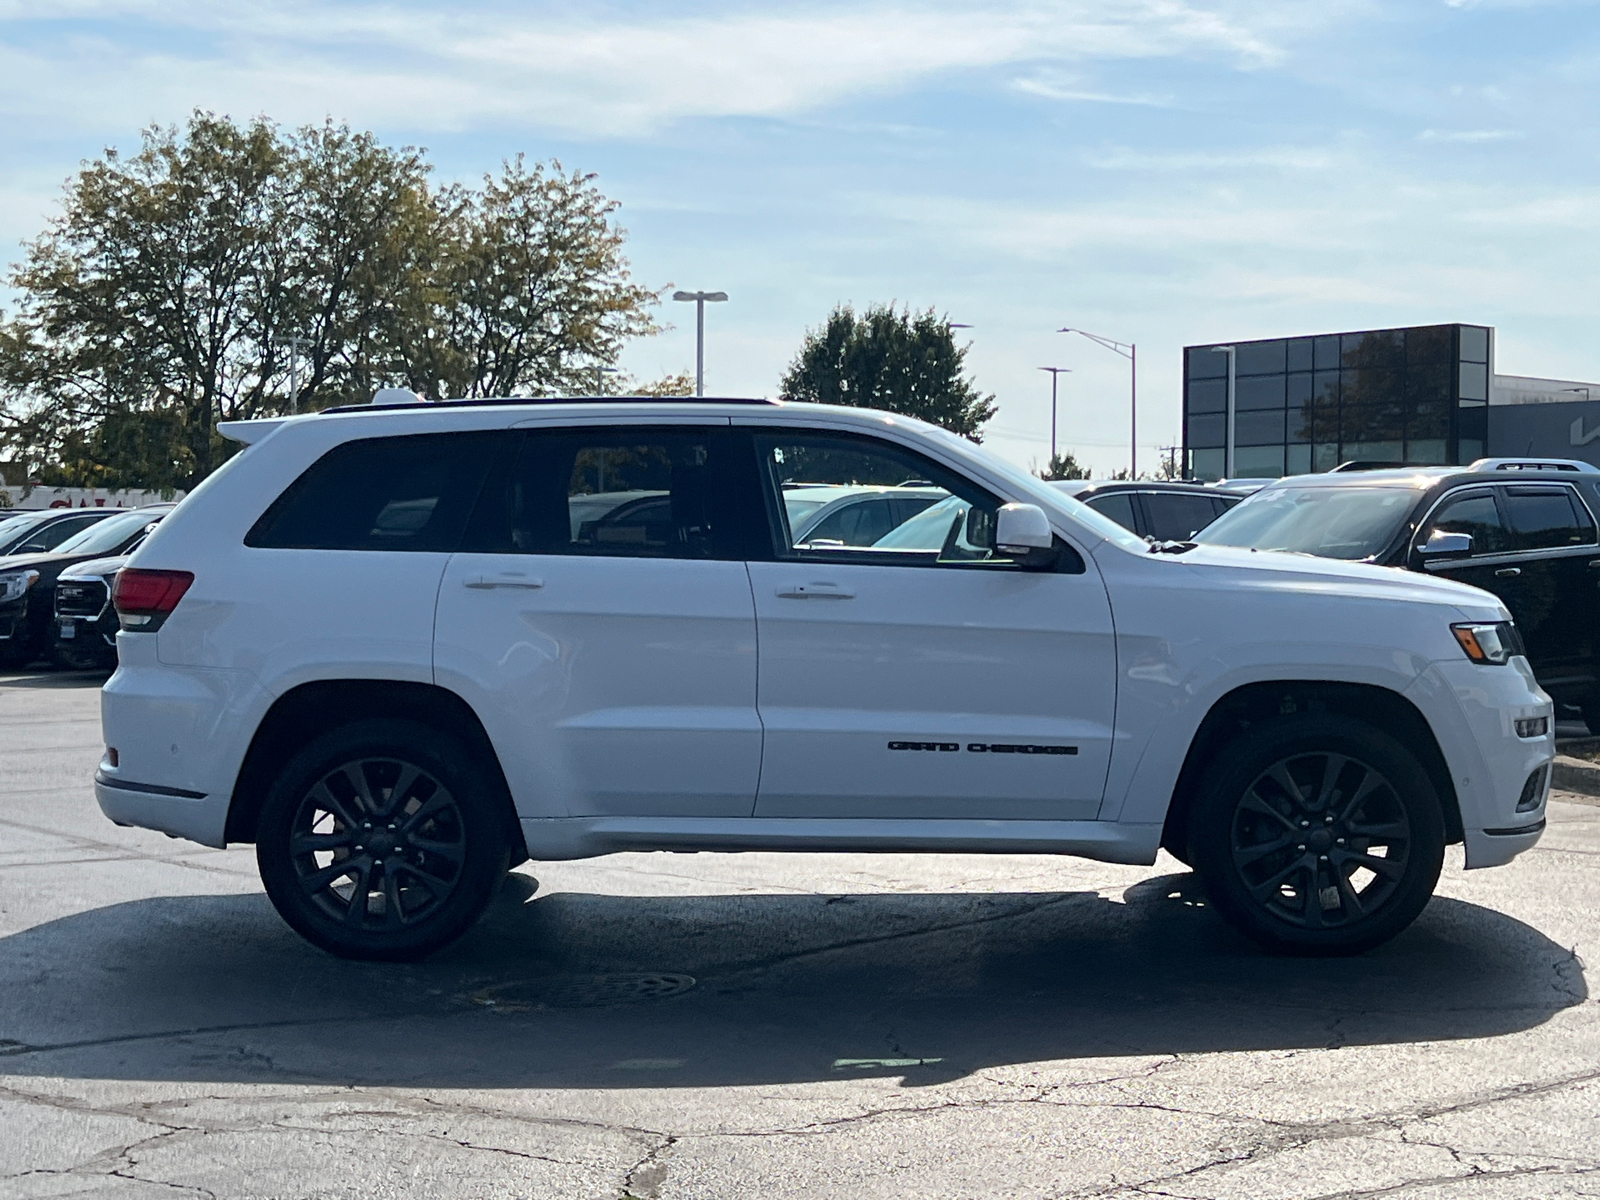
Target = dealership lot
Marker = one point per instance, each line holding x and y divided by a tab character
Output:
663	1025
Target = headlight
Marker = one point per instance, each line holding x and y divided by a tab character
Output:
14	583
1493	645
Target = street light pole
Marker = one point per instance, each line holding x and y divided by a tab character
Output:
700	299
295	342
1054	371
1227	454
600	373
1130	352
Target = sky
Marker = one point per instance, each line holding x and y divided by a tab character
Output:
1158	172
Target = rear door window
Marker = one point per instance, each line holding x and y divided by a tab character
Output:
1176	517
616	492
1116	505
1547	518
395	493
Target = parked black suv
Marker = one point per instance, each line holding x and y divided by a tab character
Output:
1163	512
28	581
1523	529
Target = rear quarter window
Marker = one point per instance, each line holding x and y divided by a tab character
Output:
395	493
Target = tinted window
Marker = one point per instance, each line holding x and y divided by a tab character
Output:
857	523
53	533
1546	518
1175	517
1476	516
612	492
395	493
1116	505
1333	522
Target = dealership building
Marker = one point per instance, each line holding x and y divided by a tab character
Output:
1425	394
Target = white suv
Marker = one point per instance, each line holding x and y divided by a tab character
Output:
402	647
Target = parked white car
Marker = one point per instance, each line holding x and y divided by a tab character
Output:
382	645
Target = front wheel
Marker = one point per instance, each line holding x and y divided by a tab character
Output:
1317	835
381	840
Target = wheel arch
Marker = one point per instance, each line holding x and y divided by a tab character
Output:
314	708
1380	707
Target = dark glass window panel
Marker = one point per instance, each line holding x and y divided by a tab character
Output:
1326	354
1257	462
1175	517
1428	344
1300	355
1361	423
1427	451
1298	389
1258	428
1476	516
1210	430
1297	460
1474	344
1263	391
1546	519
1372	452
1431	420
1205	465
1260	358
395	493
1474	381
1116	505
1325	456
1473	423
1430	383
1379	348
614	492
1325	386
1208	395
1325	422
1206	363
1371	386
1469	450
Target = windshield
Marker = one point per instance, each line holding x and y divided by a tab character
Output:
103	537
1330	522
15	524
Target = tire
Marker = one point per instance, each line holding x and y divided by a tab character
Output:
417	823
1286	826
1591	714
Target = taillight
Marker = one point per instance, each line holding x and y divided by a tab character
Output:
144	599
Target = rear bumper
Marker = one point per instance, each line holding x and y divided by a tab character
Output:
182	814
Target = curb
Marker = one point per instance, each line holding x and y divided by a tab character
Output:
1568	774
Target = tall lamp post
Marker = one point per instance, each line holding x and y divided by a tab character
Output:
1130	352
295	342
600	373
700	299
1054	372
1227	454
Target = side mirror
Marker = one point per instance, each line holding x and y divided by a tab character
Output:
1021	529
1446	545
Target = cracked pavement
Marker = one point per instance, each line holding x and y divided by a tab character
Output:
660	1026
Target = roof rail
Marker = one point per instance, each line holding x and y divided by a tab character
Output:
1534	464
377	406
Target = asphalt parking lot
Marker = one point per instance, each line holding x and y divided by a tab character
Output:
763	1025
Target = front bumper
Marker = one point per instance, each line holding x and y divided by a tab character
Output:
1473	710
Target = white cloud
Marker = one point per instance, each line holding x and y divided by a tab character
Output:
609	75
1470	136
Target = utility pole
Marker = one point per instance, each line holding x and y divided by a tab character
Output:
1130	352
700	299
1054	372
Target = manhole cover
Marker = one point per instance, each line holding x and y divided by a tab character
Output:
581	991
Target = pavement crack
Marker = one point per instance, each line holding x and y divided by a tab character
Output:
644	1179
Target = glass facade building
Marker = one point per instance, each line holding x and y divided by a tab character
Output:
1416	395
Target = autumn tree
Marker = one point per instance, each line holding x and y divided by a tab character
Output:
891	359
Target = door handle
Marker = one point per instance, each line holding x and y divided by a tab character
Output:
1507	572
502	581
815	591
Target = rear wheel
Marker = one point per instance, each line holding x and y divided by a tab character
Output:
1317	835
381	840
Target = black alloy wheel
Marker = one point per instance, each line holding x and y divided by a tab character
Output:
1318	835
381	841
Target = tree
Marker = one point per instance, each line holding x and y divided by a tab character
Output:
895	360
166	294
1064	466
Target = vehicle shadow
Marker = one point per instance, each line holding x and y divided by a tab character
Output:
582	990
